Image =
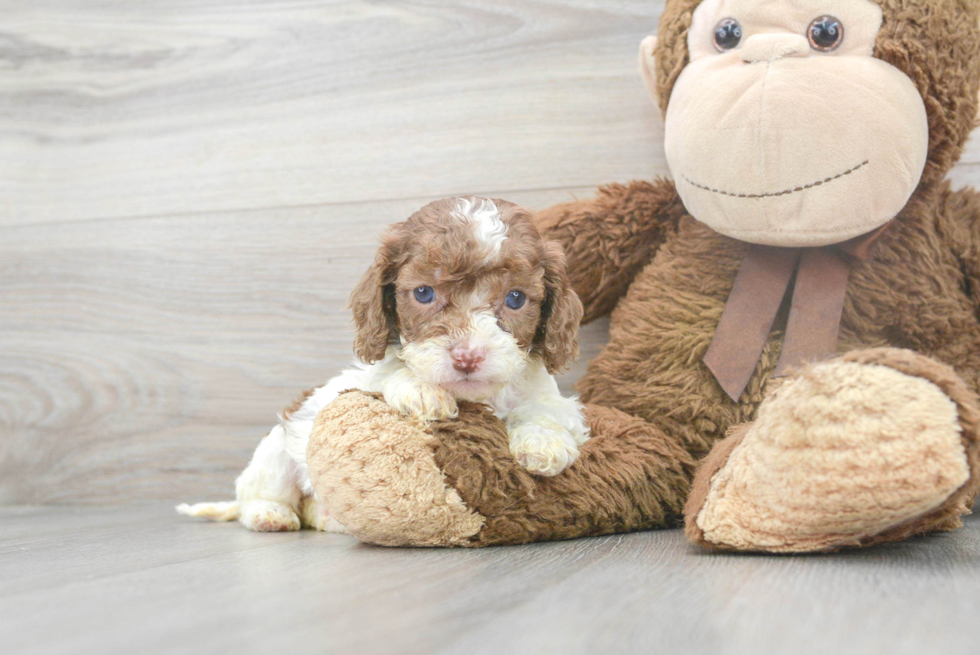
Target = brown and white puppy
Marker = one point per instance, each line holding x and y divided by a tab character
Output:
464	301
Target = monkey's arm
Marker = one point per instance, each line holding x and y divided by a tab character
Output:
609	238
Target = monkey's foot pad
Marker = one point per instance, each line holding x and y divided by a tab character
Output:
873	447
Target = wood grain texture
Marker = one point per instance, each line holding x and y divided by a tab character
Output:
82	580
190	189
160	107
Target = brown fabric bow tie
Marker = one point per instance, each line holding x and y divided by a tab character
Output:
814	314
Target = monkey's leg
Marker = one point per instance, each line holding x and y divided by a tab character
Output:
456	483
874	446
629	476
609	238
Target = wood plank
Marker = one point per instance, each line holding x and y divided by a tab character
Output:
47	548
139	577
966	175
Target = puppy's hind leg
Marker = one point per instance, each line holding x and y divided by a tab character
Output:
268	491
268	494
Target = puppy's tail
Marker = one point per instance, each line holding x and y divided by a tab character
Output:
213	511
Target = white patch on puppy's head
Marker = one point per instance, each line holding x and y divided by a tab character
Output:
489	230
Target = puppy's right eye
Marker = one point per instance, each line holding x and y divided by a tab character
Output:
425	295
515	299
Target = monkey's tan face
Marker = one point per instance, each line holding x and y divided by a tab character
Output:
785	130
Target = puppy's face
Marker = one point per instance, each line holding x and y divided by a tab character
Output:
471	292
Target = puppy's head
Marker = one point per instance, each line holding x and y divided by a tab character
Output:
472	293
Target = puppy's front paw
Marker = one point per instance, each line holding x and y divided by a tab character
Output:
543	448
423	401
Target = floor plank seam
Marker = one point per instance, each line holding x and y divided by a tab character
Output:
293	207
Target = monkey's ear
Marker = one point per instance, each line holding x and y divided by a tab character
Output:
648	67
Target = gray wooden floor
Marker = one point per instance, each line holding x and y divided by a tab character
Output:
188	191
138	579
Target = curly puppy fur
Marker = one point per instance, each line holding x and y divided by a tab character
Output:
435	248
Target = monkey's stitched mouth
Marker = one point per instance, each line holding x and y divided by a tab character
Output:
779	193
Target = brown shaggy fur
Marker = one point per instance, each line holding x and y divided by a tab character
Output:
655	406
671	276
612	237
921	290
912	294
629	477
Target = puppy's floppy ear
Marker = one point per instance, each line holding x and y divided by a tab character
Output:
373	301
561	313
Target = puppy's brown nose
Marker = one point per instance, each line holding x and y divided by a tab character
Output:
466	360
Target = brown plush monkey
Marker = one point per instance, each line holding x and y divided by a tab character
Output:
795	335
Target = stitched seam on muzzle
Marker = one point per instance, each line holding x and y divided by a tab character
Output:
780	193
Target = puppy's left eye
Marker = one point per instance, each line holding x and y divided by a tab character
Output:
425	295
515	300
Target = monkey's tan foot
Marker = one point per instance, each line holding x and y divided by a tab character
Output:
375	473
871	447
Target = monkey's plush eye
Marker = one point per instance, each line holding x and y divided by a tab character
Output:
425	295
728	34
515	300
825	33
